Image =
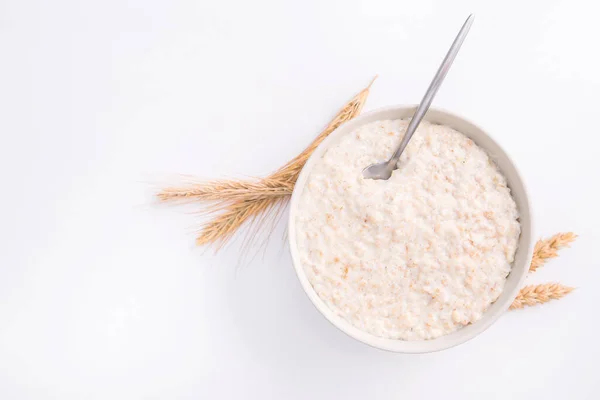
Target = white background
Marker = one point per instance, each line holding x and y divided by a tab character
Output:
103	294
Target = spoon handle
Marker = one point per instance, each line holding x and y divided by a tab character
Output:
433	88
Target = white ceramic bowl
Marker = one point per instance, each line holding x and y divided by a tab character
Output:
522	257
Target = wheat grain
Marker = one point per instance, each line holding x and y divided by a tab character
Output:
537	294
548	248
231	203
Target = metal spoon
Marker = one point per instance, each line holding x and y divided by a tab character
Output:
384	170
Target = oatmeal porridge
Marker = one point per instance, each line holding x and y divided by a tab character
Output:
417	256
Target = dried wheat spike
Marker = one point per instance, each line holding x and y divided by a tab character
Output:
537	294
226	191
548	248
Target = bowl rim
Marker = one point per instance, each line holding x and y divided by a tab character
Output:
396	345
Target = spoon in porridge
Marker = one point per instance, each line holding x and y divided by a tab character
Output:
384	169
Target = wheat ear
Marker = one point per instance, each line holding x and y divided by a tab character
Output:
548	248
537	294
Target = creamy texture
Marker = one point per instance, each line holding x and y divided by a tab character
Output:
417	256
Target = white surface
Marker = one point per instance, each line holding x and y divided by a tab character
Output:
103	296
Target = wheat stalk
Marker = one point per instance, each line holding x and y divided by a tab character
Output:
548	248
537	294
232	203
226	191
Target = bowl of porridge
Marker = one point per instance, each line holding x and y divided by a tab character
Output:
425	260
